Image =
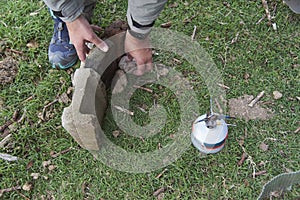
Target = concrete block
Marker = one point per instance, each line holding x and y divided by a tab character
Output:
83	118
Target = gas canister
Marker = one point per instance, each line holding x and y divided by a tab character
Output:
209	132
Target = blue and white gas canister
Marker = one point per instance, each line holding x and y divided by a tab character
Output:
209	140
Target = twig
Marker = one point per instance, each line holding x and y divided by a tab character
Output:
266	7
259	173
5	140
179	62
260	20
297	130
234	40
8	157
9	122
124	110
22	195
15	51
223	86
194	33
257	98
5	125
219	106
15	115
243	158
62	152
10	189
143	88
29	98
46	106
252	163
160	174
160	190
22	117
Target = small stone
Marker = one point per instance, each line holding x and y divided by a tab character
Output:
277	95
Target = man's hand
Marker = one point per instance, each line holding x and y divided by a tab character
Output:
139	50
80	32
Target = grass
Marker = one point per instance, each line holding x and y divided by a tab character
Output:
271	58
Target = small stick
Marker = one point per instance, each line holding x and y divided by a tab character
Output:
22	195
177	61
194	33
15	51
234	40
143	88
124	110
223	86
29	98
10	189
62	152
160	190
160	174
22	117
219	107
5	140
15	115
8	157
259	173
243	158
46	106
5	125
266	7
297	130
254	101
261	19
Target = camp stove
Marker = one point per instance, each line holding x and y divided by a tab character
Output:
210	131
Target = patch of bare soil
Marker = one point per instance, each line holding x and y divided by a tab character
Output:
239	108
8	70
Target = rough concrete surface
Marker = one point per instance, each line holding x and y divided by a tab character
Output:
83	118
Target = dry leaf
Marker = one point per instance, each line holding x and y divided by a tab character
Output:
35	175
46	163
29	165
246	76
51	167
27	186
166	25
63	98
173	5
264	146
32	44
277	95
116	133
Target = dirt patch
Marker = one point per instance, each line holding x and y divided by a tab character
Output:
8	70
239	108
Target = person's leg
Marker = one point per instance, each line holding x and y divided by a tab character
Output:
62	54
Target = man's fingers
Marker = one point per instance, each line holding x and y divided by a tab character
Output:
82	51
96	28
99	43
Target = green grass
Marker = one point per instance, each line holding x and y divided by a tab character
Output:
271	58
